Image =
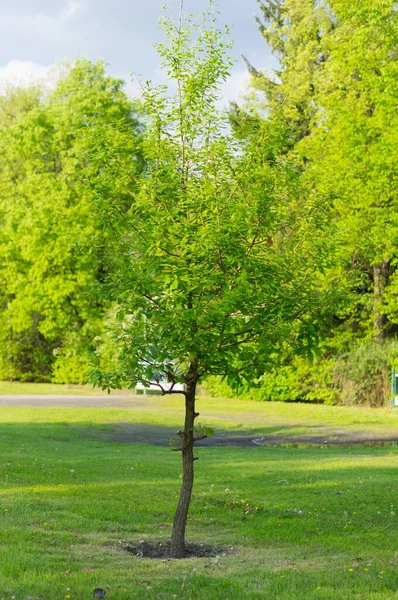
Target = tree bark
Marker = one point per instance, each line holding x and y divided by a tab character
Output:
381	275
177	549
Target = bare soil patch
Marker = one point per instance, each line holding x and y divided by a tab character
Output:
161	550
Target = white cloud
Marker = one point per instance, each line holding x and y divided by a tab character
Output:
22	74
131	87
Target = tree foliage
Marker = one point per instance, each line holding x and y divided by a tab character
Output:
214	273
208	267
336	89
51	242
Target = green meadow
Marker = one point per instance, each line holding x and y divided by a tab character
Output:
305	522
11	388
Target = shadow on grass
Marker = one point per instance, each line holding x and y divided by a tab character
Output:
250	437
160	434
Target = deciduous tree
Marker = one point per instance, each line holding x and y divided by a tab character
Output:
51	245
213	272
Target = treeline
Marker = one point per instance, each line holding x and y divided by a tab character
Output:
330	113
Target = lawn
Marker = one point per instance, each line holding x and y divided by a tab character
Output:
288	523
16	387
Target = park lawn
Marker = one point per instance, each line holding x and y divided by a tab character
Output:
294	523
305	413
17	388
231	413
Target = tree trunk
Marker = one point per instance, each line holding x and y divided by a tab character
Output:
180	518
381	274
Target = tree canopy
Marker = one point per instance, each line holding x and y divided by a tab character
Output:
52	243
213	272
335	88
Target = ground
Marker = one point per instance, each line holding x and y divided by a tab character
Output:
81	478
237	423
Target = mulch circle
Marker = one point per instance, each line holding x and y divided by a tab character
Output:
161	550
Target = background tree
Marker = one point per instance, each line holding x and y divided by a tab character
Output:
335	89
293	30
352	150
212	275
48	318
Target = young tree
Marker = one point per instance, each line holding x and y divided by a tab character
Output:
213	272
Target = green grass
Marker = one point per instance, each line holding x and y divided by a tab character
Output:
16	387
304	523
236	413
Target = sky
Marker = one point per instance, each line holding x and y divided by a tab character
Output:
35	34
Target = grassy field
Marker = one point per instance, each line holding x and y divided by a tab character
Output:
294	523
16	387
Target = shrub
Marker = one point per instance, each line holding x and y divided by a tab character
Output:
362	375
359	376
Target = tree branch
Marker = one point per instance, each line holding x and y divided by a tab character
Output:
239	342
165	392
180	16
